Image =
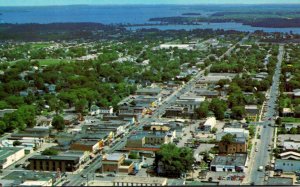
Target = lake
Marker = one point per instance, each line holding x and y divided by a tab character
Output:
133	14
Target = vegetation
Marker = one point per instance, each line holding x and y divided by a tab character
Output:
58	122
50	152
173	161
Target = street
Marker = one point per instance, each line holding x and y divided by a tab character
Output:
264	144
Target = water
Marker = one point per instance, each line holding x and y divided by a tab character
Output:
134	14
225	26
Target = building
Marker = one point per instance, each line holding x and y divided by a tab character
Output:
210	123
290	155
291	145
175	111
289	126
87	145
283	181
152	91
10	155
190	101
238	146
54	163
140	181
287	165
116	162
231	163
238	132
252	112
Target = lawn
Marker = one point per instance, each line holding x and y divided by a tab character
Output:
290	120
47	62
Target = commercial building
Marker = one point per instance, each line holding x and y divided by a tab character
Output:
87	145
152	91
232	163
116	162
252	112
54	163
287	165
238	132
140	181
238	146
9	155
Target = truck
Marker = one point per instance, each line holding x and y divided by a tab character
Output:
260	168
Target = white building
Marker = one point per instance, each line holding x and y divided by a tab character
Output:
210	123
239	132
140	181
9	155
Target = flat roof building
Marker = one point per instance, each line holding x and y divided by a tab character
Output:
9	155
140	181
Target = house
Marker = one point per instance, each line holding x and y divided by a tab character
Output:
231	163
140	181
287	165
287	112
206	93
10	155
6	111
54	163
210	123
288	126
116	162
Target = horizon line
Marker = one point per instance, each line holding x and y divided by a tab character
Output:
120	4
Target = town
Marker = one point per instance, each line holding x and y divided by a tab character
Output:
151	108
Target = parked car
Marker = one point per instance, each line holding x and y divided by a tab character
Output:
110	175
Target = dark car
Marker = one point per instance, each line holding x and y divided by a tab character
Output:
110	175
134	172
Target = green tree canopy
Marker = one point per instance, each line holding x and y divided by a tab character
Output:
171	160
58	122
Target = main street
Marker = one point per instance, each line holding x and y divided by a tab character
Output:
77	179
264	145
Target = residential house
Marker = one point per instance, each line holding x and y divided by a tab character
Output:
290	155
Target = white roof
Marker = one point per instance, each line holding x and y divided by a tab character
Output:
34	183
210	121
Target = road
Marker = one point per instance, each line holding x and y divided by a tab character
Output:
77	179
263	156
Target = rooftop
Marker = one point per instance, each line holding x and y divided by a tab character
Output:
7	151
275	181
142	180
54	157
114	156
232	160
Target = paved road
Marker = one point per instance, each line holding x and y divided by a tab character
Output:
262	157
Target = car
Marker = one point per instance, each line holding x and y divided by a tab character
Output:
110	175
265	126
83	176
101	176
134	172
256	150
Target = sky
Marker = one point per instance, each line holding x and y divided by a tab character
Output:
105	2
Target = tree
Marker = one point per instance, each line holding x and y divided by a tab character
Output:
80	105
17	143
293	130
218	106
58	122
214	130
203	109
228	138
171	160
50	152
238	112
251	130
